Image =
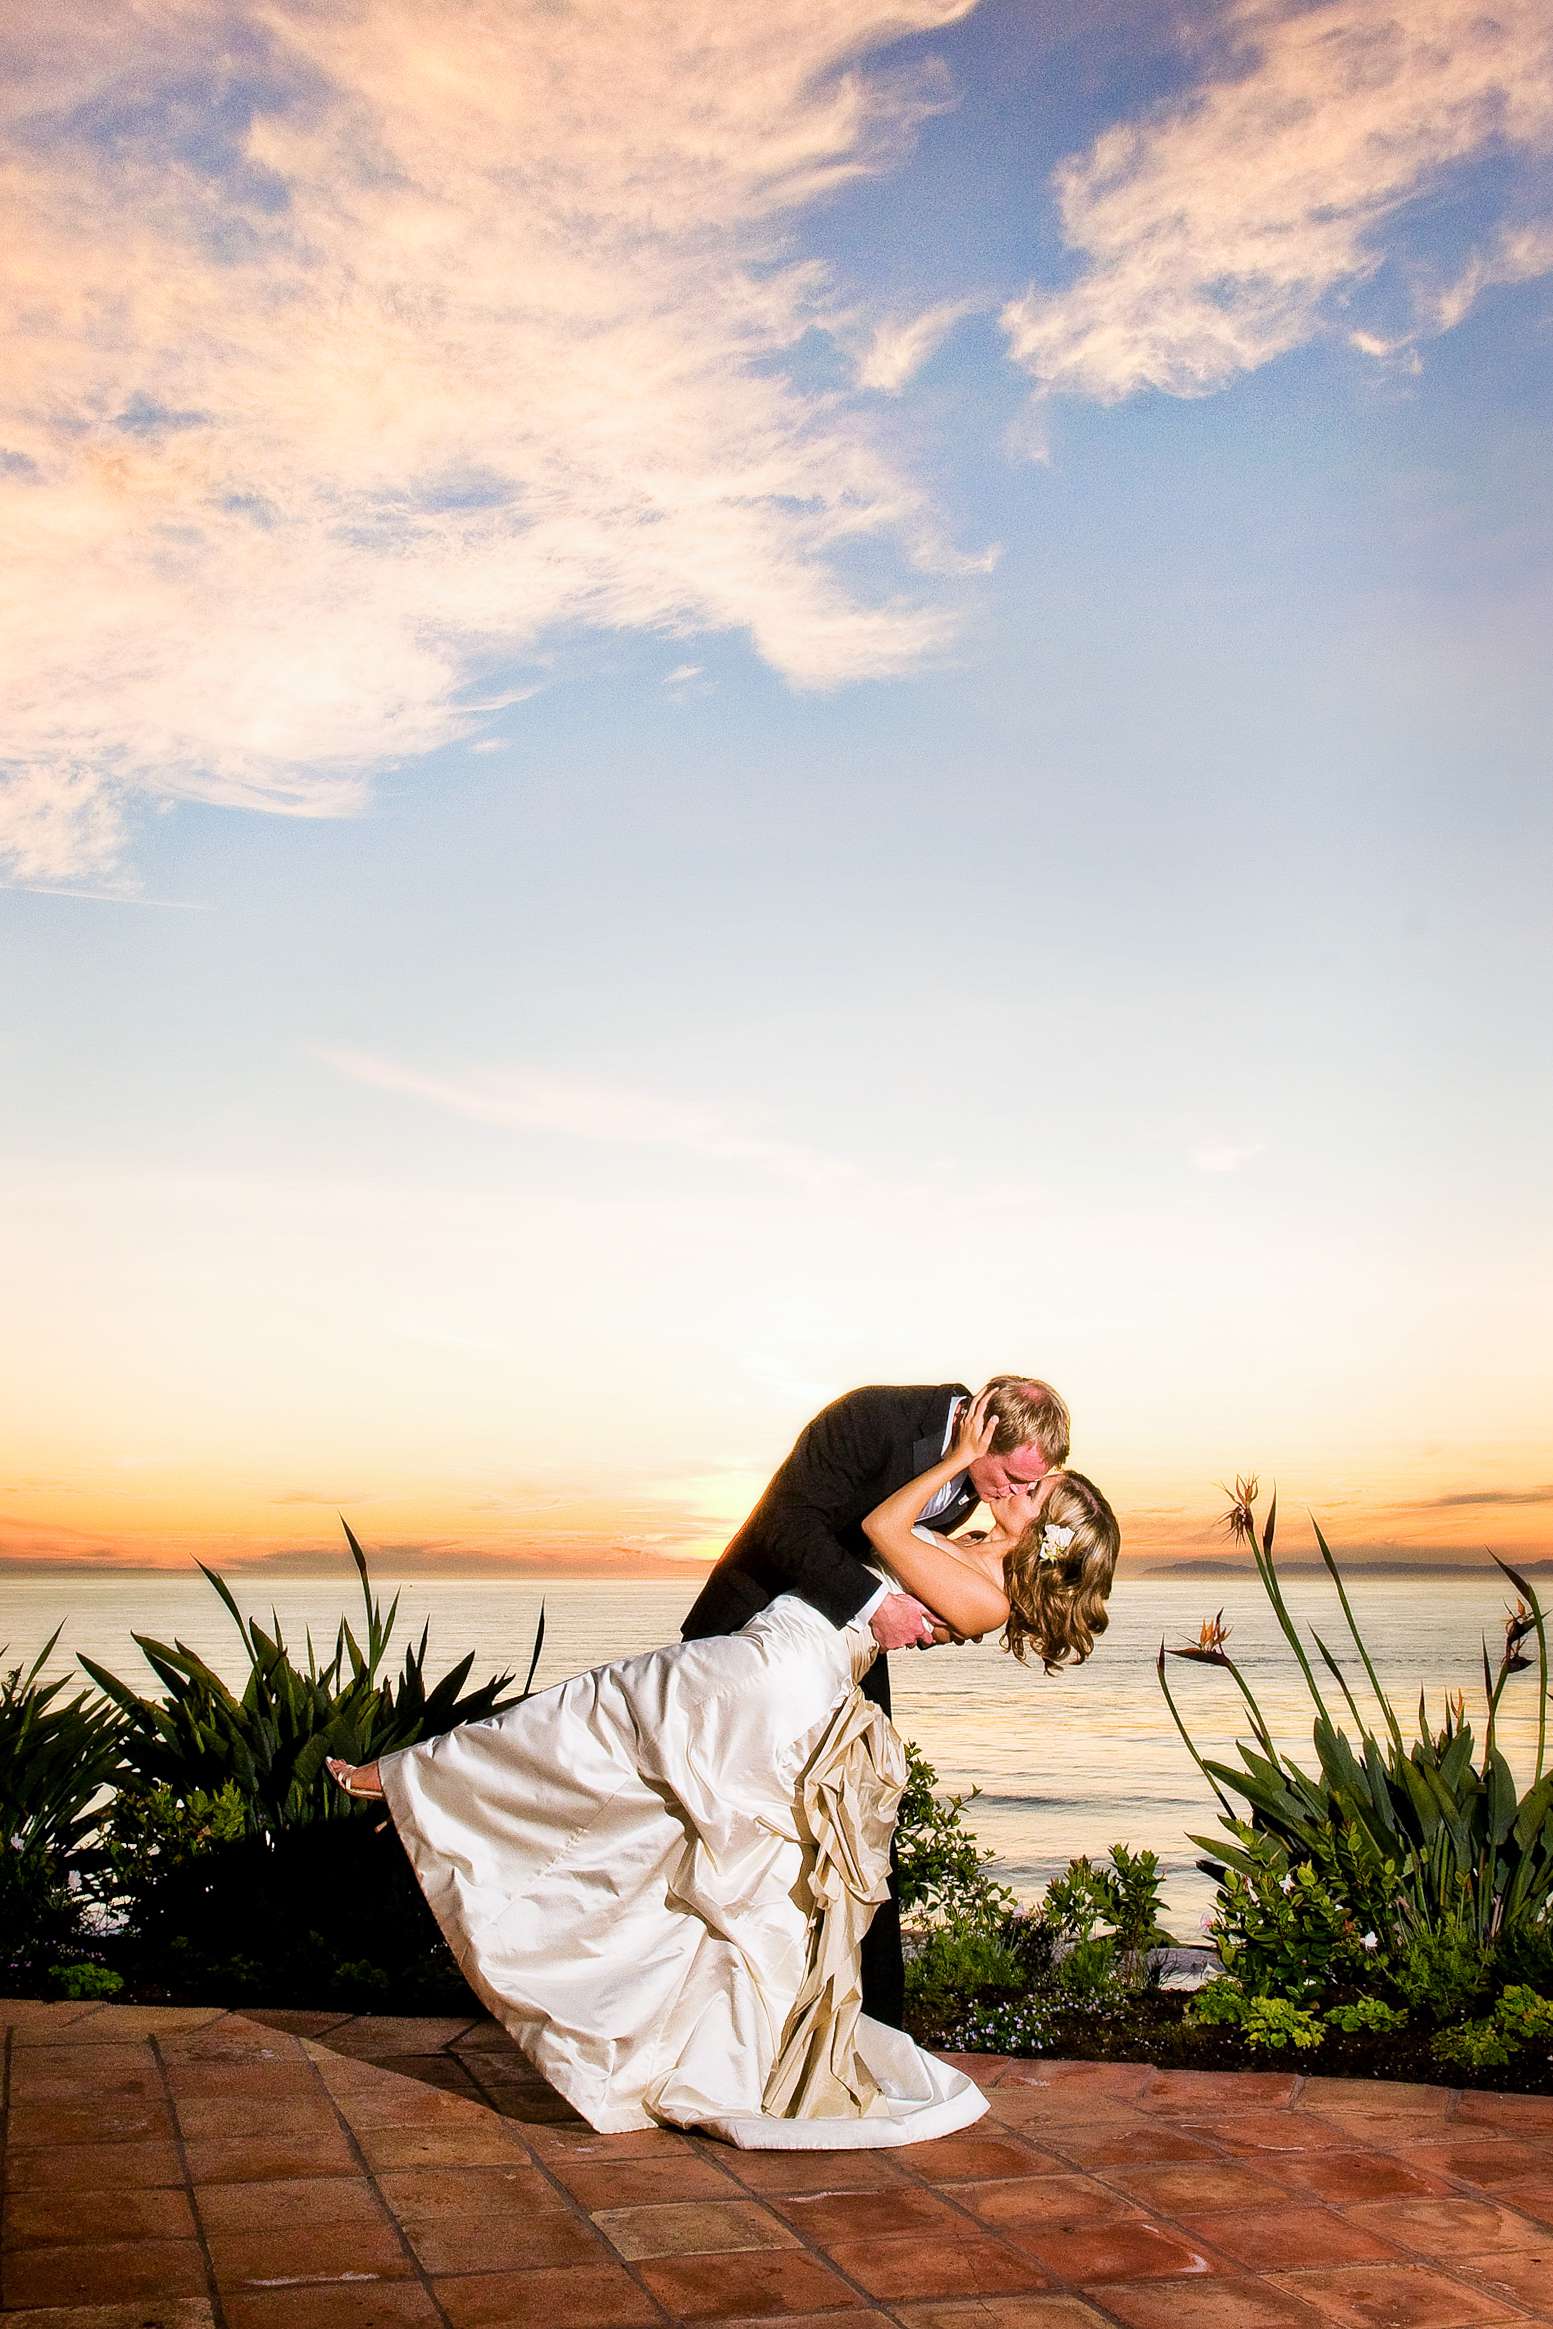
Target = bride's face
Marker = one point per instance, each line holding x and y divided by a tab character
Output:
1013	1513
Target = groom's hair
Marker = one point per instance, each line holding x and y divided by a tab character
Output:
1029	1414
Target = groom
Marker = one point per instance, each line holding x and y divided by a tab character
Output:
805	1536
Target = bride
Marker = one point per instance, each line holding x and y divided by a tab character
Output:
657	1875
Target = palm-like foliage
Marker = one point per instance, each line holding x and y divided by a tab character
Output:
56	1754
270	1741
1438	1829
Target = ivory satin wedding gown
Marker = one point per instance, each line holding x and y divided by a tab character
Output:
657	1876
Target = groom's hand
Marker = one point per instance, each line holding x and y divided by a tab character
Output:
902	1622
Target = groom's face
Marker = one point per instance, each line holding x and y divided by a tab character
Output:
995	1478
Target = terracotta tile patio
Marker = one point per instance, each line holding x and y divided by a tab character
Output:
200	2170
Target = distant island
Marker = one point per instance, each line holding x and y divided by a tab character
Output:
1228	1565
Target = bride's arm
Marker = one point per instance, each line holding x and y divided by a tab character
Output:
959	1590
955	1589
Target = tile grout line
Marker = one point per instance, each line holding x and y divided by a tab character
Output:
740	2193
1336	2135
418	2273
889	2306
1057	2283
914	2178
1084	2292
170	2102
571	2200
1413	2259
805	2243
1089	2294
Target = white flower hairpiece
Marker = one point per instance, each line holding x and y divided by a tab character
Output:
1055	1540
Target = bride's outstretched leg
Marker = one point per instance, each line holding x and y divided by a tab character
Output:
356	1778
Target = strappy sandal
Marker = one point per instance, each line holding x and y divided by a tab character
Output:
345	1776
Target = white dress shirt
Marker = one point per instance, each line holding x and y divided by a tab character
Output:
940	1502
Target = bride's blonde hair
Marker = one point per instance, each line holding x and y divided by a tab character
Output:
1057	1590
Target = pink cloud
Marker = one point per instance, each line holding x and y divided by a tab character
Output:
1231	224
426	330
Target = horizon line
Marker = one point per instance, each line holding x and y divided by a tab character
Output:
662	1568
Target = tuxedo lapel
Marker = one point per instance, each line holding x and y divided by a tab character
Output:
925	1453
929	1447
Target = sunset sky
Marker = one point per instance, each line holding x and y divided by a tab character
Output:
702	703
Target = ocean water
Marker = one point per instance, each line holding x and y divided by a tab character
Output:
1065	1764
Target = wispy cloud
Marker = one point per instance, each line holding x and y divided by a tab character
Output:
57	818
898	348
538	1100
1464	1499
352	351
1517	254
23	1539
1244	217
118	893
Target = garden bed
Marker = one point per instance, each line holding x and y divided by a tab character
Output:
1156	2028
1150	2027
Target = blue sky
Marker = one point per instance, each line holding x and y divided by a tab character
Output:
1005	823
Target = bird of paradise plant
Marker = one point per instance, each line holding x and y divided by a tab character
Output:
1455	1839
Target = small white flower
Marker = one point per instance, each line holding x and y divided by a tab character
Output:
1055	1540
1285	1884
1371	1941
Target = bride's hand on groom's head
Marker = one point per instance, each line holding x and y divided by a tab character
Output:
976	1431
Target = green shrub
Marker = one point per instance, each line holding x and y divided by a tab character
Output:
1275	2022
1524	2016
1220	2004
1267	2023
1132	1886
1479	2045
1445	1969
1365	2013
1096	1924
360	1983
85	1981
954	1962
212	1911
995	1976
154	1846
1287	1929
1526	1955
943	1871
987	1974
1520	2018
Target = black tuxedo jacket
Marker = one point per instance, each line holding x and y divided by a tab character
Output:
805	1536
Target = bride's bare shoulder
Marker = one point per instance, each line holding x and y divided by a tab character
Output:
973	1547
